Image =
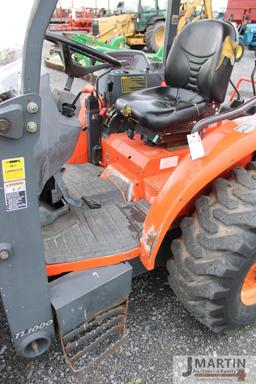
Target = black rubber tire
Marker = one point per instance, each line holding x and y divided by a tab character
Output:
215	252
150	36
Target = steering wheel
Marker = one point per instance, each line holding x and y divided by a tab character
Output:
68	47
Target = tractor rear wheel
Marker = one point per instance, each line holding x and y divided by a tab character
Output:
154	36
213	264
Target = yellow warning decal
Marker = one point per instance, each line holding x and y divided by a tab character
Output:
13	169
133	83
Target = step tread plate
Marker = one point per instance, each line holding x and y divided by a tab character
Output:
86	233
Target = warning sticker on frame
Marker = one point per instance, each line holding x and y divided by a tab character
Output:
15	195
13	169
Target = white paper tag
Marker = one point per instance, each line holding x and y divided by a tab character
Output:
15	195
169	162
195	146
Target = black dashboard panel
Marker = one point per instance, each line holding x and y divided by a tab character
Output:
137	59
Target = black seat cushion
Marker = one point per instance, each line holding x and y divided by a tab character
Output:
195	60
161	107
198	72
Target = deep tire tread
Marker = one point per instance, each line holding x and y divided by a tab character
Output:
214	245
149	36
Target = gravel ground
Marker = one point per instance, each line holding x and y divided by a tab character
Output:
159	328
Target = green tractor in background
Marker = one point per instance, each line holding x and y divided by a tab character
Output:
116	44
151	23
142	22
137	24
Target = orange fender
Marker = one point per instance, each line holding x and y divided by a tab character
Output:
225	148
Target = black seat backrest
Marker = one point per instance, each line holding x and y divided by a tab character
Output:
195	57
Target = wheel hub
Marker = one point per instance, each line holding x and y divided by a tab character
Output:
248	292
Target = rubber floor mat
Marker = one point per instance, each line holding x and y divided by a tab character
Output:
86	233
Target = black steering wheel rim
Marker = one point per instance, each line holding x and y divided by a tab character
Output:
82	49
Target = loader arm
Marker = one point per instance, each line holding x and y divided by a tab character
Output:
190	9
24	284
208	9
120	25
27	295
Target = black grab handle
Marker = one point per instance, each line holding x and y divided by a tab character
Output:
224	116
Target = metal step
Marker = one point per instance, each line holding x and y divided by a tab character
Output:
90	343
91	311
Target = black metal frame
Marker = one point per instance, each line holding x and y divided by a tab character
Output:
229	115
172	20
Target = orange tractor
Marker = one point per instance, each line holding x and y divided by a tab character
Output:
144	173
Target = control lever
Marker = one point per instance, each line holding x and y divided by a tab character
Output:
68	109
92	204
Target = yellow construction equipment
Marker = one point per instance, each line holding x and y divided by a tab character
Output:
146	26
188	12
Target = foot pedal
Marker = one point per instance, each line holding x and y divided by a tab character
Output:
92	204
84	347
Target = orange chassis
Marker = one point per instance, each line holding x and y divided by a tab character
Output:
167	178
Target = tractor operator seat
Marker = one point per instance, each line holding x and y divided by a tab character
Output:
197	73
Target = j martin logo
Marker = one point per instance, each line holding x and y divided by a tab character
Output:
209	369
219	368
